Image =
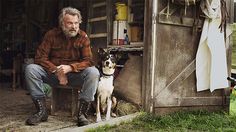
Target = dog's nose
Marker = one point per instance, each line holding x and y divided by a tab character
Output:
107	63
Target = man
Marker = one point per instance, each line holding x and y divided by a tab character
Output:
64	57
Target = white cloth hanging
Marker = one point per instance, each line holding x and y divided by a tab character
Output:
211	65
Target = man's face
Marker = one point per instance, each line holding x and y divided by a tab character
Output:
70	25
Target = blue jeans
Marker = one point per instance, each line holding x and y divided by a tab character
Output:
87	79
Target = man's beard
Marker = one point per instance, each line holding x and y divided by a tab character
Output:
68	32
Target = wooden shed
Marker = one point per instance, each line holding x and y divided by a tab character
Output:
168	41
169	82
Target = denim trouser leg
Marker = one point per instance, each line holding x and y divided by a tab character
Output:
34	75
88	79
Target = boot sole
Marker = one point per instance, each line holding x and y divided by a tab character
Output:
36	123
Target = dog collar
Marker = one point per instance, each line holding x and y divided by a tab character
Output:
107	74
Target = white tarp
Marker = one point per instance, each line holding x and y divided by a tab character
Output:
211	65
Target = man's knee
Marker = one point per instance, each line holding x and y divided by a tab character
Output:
92	72
31	69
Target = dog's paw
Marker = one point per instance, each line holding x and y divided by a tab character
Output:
108	118
113	115
99	119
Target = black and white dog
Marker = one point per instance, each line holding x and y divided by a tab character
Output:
104	98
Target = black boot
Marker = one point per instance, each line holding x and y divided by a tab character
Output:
84	107
41	115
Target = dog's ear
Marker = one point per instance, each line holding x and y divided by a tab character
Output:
101	51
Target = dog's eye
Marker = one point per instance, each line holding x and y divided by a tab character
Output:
113	60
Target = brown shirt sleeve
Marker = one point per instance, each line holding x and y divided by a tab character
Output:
85	52
43	51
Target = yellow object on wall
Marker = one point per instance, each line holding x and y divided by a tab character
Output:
121	11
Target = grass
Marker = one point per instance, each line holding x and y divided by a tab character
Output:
180	121
234	47
233	103
183	121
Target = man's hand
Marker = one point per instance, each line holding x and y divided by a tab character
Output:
61	73
65	68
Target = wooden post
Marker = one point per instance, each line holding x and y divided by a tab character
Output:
74	102
147	56
27	30
1	24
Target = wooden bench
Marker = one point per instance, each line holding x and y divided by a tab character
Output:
64	97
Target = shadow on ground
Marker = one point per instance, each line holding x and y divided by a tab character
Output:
16	107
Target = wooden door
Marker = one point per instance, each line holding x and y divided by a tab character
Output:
169	82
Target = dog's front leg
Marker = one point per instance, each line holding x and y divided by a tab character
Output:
109	103
98	113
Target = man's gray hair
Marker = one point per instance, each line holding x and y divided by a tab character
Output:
70	11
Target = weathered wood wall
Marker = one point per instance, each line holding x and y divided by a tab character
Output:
174	78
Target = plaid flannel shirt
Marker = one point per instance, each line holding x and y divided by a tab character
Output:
56	49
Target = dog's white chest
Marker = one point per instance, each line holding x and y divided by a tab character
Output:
106	84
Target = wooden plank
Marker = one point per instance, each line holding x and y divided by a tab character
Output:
167	12
230	5
89	14
74	102
114	121
53	101
126	49
200	101
97	19
98	35
174	20
230	42
127	46
180	78
99	4
109	21
146	73
28	46
193	101
169	110
136	43
1	27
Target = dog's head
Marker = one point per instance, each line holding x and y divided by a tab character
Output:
108	62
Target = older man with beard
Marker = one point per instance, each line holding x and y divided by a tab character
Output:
64	57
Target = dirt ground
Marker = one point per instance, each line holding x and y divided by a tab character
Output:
16	107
